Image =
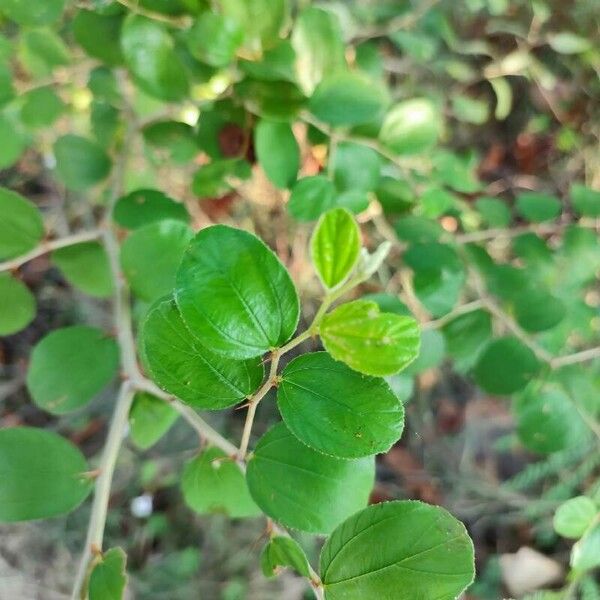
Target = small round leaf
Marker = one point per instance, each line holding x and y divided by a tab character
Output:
17	305
108	577
145	206
41	475
149	419
304	489
182	366
235	294
574	516
282	552
399	550
537	207
21	225
70	366
337	411
214	39
80	163
278	152
311	197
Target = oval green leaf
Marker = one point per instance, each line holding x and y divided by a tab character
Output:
213	483
337	411
311	197
150	256
17	305
505	366
41	475
348	98
538	310
86	267
369	341
304	489
281	552
149	419
80	163
70	366
573	517
182	366
537	207
108	578
235	294
214	39
335	247
278	152
586	201
32	15
21	225
145	206
422	551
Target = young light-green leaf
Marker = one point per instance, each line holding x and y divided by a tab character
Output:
212	482
422	551
337	411
149	419
86	266
411	126
108	578
70	366
574	516
182	366
277	151
369	341
304	489
151	254
335	246
235	294
281	552
41	475
21	225
17	305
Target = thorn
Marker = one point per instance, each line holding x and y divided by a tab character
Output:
93	474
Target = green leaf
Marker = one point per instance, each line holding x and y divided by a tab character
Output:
422	551
494	212
182	366
86	267
355	167
151	254
99	35
337	411
17	305
415	229
273	100
41	51
538	310
174	137
14	141
109	578
41	107
276	64
41	475
548	421
537	207
214	39
242	302
457	171
21	225
311	197
505	366
262	20
504	97
213	483
355	201
149	419
149	53
319	45
335	247
466	336
280	552
80	163
69	366
304	489
574	516
145	206
395	195
585	200
348	98
215	178
32	15
369	341
278	152
567	42
436	201
388	303
431	352
470	110
411	126
585	554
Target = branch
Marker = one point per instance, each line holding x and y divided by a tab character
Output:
45	247
539	229
571	359
95	533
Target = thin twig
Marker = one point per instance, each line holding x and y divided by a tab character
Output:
135	7
456	312
577	357
45	247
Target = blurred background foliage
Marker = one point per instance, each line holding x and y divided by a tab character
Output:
466	134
